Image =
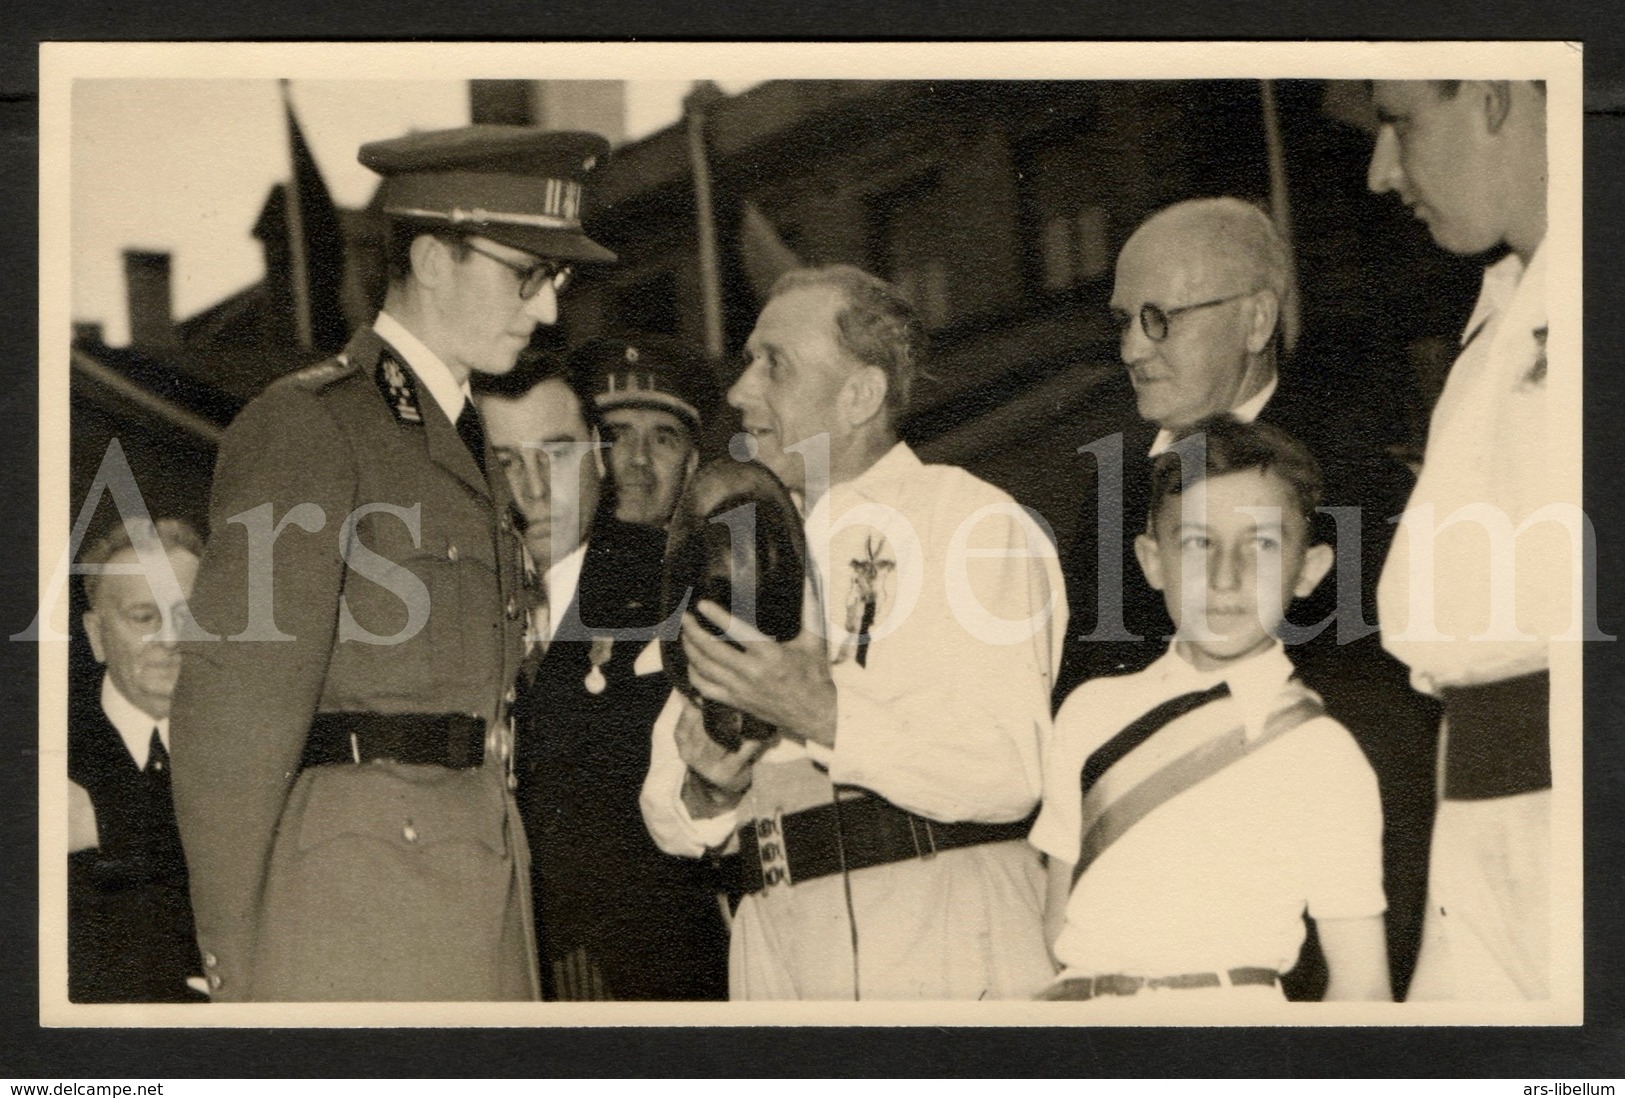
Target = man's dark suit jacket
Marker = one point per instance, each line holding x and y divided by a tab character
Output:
616	917
130	933
1364	687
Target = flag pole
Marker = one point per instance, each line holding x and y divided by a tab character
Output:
1281	214
299	260
695	105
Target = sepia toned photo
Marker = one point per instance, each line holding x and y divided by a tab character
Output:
1055	534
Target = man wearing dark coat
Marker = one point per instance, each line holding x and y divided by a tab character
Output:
343	752
616	917
1197	296
130	933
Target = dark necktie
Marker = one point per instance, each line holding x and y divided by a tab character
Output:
157	768
472	433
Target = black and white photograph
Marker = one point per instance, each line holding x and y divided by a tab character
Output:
1045	534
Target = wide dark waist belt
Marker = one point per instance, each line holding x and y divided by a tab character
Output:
453	740
1498	738
865	831
1094	987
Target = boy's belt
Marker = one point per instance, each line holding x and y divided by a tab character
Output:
1094	987
1497	741
453	740
862	832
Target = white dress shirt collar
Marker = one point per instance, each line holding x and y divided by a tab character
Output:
1255	682
1245	412
899	461
435	375
134	726
563	578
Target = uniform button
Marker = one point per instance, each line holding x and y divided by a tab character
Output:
513	608
210	960
511	696
409	833
451	552
513	782
214	981
505	523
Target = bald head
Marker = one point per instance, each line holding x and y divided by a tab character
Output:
1231	242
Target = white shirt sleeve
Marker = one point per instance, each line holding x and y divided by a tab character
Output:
1058	830
664	813
1341	842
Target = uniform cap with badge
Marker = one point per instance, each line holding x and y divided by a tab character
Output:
517	185
647	372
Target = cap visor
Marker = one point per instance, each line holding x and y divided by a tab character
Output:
549	243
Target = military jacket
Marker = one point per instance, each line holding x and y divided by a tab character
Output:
359	560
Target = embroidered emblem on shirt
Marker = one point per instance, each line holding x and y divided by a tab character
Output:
1535	376
399	389
871	582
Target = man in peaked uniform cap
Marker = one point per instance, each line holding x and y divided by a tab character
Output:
341	746
654	394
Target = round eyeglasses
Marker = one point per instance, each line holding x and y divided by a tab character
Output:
1154	319
532	276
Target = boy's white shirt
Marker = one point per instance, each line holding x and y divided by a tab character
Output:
1193	887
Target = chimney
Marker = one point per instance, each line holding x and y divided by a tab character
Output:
598	106
595	105
146	278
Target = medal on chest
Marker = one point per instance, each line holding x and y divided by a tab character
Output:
598	654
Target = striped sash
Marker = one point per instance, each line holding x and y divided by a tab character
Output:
1167	751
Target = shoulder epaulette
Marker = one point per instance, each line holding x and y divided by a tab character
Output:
324	373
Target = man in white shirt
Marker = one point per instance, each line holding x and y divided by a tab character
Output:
880	830
1469	158
130	933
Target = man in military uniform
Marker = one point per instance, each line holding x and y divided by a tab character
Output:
342	759
617	918
653	393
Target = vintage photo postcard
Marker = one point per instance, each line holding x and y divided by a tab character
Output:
1018	534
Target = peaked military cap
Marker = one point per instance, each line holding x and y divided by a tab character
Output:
517	185
647	372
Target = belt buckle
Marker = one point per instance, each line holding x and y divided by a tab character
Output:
930	850
1115	983
771	851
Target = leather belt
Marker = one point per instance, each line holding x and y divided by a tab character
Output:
452	740
1497	741
1094	987
864	831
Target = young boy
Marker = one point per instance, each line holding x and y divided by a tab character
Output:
1194	810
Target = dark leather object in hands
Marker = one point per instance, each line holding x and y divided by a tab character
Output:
759	579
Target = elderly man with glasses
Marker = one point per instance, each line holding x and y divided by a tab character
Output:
1197	301
343	768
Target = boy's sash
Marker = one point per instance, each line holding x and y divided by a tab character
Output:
1169	750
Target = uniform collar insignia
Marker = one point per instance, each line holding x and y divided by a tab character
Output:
399	387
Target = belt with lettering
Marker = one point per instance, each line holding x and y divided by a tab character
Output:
1095	987
862	831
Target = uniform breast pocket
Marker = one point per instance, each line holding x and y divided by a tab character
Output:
405	808
391	556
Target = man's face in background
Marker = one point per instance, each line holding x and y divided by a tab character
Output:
134	635
1432	153
545	448
651	456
